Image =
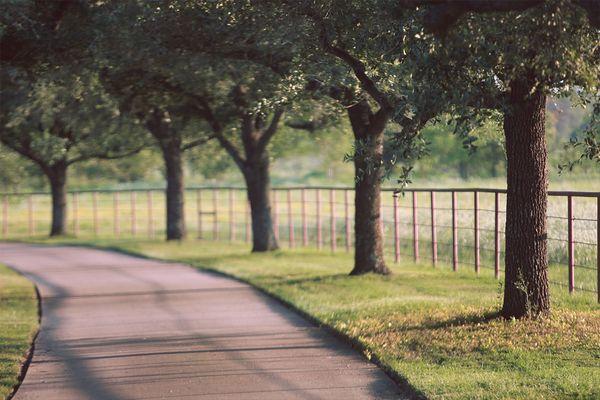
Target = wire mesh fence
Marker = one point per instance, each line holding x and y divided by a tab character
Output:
458	228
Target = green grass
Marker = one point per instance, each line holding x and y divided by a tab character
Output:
434	328
18	324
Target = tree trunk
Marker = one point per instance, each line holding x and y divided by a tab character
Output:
368	136
172	154
57	175
170	143
256	174
463	170
526	264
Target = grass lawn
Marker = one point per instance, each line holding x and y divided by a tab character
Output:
435	329
18	324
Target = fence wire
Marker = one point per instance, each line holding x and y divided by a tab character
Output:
459	228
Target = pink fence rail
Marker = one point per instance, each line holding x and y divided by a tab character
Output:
458	228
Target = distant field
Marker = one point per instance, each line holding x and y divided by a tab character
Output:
435	328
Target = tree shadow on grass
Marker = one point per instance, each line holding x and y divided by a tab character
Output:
316	279
456	321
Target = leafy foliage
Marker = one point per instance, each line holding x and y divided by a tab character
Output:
65	118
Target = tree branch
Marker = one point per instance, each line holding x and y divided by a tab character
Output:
271	129
105	155
359	71
197	142
24	148
309	126
354	63
207	113
231	150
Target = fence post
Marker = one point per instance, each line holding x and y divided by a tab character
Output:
319	234
496	236
275	216
290	219
215	215
332	234
304	223
396	230
116	213
381	222
598	247
415	227
433	232
347	218
454	233
5	216
571	245
199	212
150	214
75	214
231	216
133	217
247	219
30	214
95	212
476	229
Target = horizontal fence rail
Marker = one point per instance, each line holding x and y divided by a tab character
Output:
460	228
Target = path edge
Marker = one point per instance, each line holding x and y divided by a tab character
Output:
29	354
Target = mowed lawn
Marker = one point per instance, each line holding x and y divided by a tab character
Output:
18	324
433	328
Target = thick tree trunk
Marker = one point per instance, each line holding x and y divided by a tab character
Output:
172	155
57	175
256	174
368	137
526	265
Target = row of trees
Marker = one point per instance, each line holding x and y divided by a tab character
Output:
299	157
104	79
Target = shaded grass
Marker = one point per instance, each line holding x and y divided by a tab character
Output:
18	325
435	328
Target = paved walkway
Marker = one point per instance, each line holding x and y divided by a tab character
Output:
116	327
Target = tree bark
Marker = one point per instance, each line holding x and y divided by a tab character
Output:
57	175
258	184
526	264
172	155
368	129
170	143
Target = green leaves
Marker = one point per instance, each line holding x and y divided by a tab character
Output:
587	143
64	117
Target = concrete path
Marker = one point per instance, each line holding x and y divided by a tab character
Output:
116	327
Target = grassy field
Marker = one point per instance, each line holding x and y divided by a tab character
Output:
436	329
18	324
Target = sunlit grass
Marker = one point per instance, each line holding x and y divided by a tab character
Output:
18	324
436	328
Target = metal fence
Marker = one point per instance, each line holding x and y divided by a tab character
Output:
459	228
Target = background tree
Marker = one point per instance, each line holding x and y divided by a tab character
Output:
449	156
350	59
59	120
235	77
164	110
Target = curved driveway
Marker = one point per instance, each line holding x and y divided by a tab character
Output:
116	327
